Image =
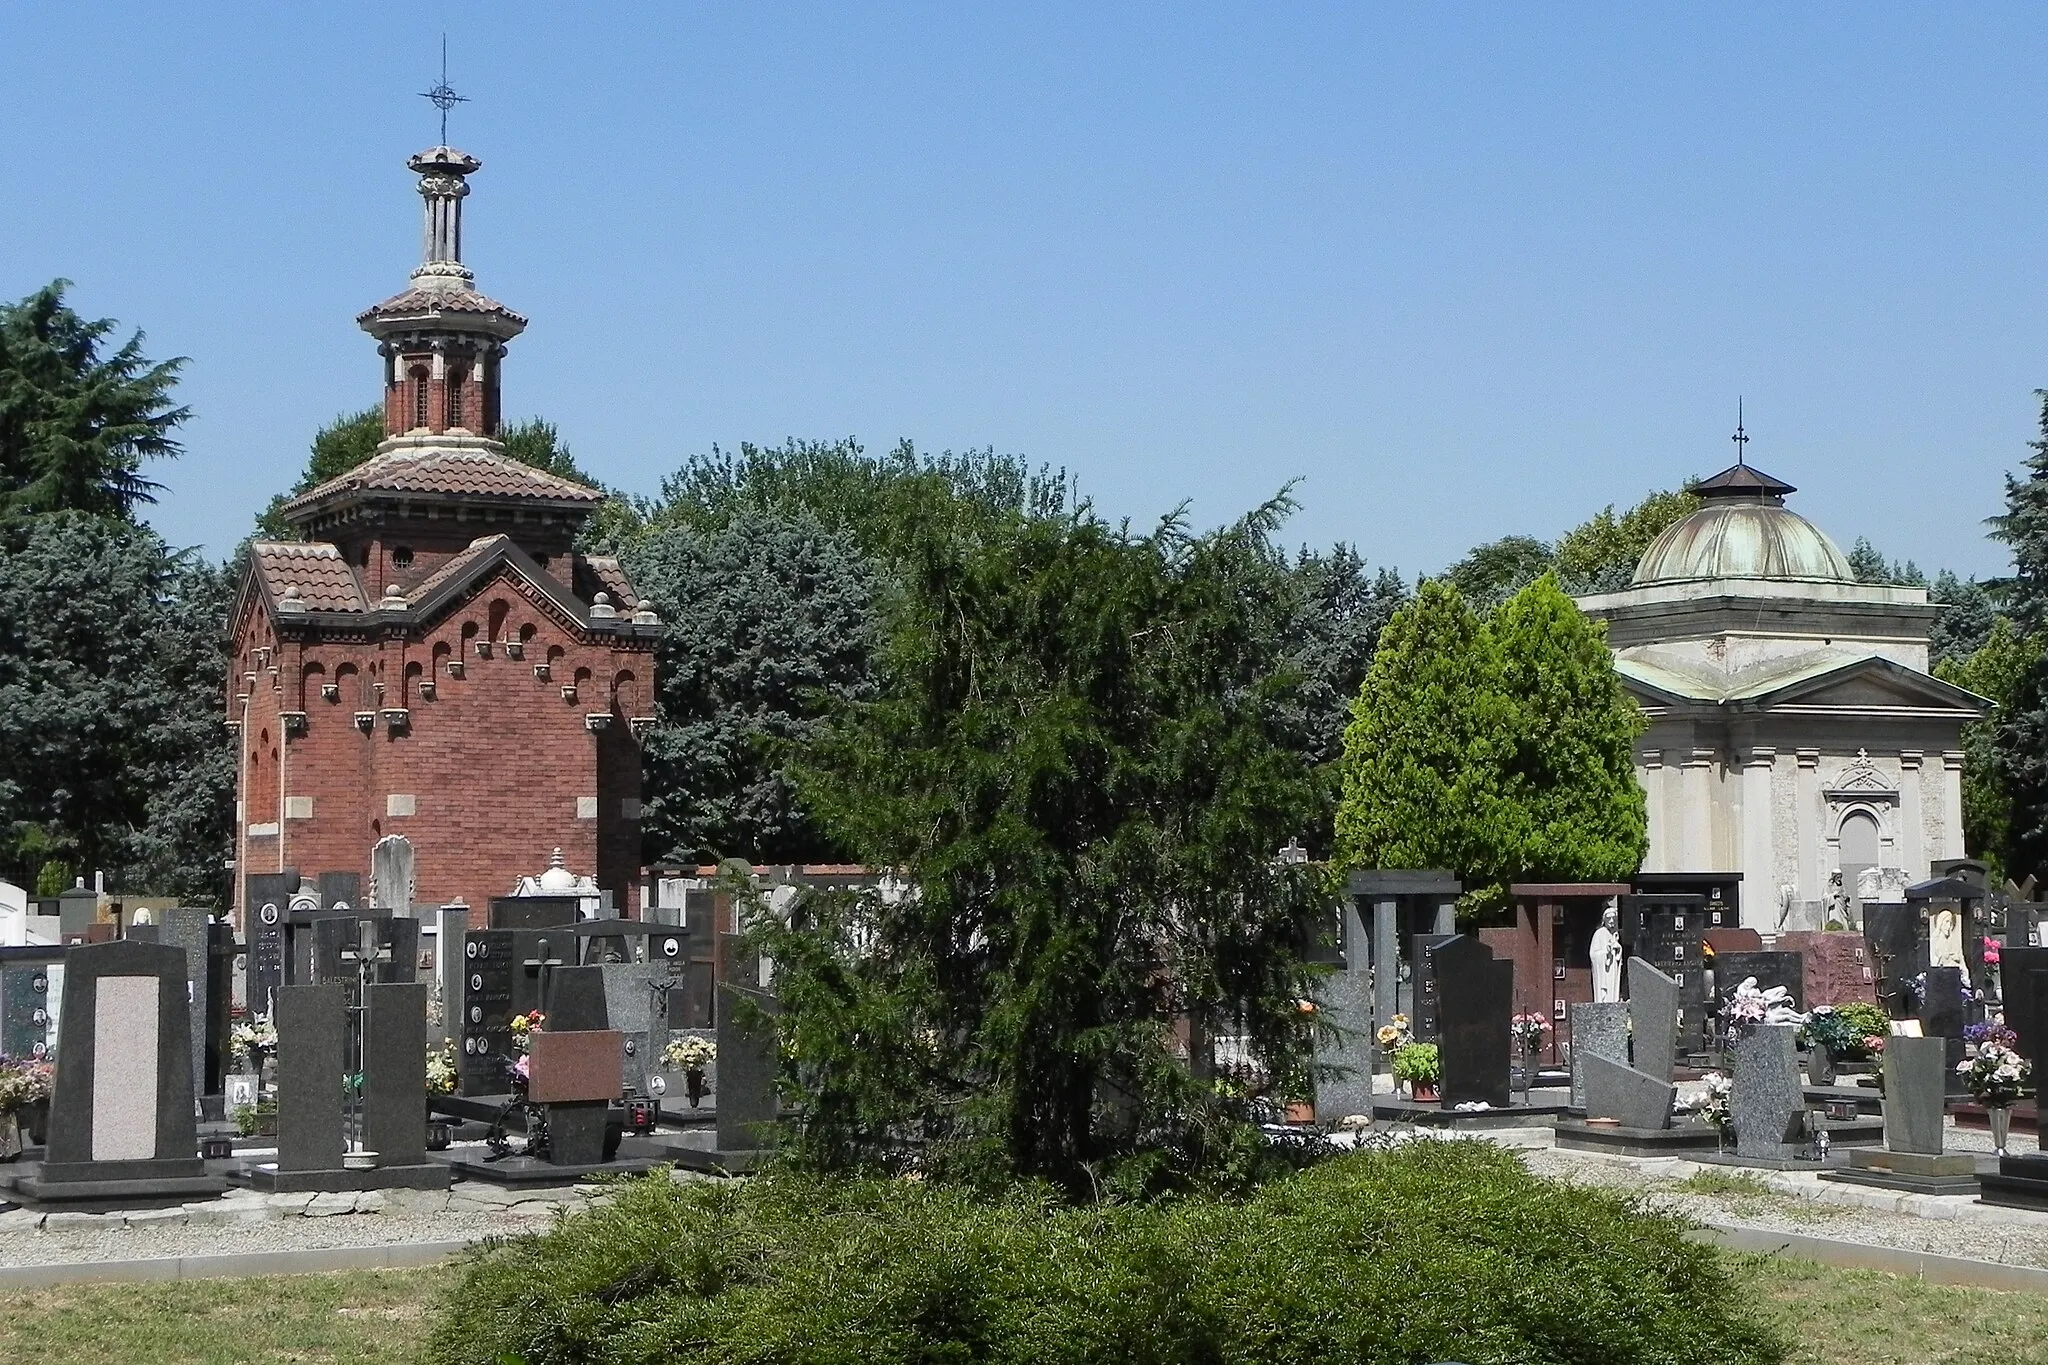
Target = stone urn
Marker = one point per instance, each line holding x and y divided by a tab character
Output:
693	1085
1820	1065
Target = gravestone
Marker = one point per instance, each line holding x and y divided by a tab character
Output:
1668	931
1598	1030
221	951
1423	1002
451	929
121	1121
1475	1006
341	889
77	909
1943	1014
391	883
265	905
1898	950
576	1009
1769	968
27	1012
394	1073
1767	1099
1915	1094
312	1038
629	1006
1614	1091
186	930
1344	1000
747	1107
2017	967
1654	1002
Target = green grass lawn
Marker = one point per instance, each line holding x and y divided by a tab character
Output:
1838	1317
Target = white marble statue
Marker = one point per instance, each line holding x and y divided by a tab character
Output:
1607	958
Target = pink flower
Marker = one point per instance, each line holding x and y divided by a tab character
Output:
1991	952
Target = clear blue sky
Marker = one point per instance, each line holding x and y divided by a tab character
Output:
1463	271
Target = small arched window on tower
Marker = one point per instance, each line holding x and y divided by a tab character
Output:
455	382
419	396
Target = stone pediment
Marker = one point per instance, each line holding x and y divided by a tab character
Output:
1862	686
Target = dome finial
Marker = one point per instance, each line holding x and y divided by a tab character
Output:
1740	437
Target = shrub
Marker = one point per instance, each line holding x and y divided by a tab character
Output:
1439	1251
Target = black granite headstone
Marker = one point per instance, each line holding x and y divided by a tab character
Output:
2017	970
25	1023
1475	1004
747	1106
1943	1014
1423	1003
266	905
312	1036
1898	947
496	985
341	888
1769	968
394	1073
122	1122
534	912
576	1004
220	999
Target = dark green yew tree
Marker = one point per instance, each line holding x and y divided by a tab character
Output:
1077	765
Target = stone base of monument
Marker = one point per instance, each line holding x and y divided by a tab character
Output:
1970	1114
531	1171
1544	1108
685	1152
268	1179
2019	1182
1868	1099
1684	1139
1913	1172
78	1186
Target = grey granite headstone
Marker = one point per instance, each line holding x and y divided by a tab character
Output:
1767	1098
1344	1056
312	1035
1598	1030
76	909
1386	961
123	1108
747	1106
186	931
395	1073
1475	1006
1915	1086
391	882
341	888
448	939
1654	1000
629	1005
1614	1091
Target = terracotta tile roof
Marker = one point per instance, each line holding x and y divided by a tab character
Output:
450	470
322	578
429	302
453	567
611	578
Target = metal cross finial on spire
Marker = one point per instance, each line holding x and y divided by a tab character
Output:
1741	438
443	96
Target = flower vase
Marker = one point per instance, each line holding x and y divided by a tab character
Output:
35	1123
1820	1065
10	1137
693	1085
2001	1124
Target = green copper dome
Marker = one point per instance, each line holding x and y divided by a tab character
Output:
1744	531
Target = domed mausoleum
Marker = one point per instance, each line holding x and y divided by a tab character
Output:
1795	734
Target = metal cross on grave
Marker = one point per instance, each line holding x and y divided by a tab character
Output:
542	967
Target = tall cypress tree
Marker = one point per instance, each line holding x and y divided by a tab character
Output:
2019	737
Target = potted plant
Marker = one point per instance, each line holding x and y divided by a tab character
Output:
440	1081
1416	1066
690	1055
1996	1077
256	1120
1831	1038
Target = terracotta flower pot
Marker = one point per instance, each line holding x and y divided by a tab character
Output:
1422	1092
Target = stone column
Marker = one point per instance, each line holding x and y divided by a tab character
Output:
1650	772
1697	811
1806	813
1760	897
1952	804
1911	843
1386	962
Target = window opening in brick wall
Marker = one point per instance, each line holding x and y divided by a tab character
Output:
419	397
455	379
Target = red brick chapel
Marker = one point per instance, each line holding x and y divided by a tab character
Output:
434	660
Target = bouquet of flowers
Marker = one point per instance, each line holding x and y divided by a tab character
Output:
1394	1034
441	1069
524	1026
1990	1031
1996	1075
1991	952
1713	1104
23	1082
1749	1005
1827	1028
1529	1029
253	1038
689	1053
